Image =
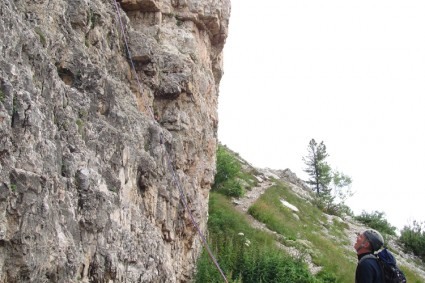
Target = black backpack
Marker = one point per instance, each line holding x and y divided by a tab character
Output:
388	264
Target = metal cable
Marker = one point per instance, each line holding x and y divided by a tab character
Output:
133	68
170	166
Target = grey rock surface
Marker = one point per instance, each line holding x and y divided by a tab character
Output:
91	154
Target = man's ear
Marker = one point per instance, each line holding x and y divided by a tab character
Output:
367	245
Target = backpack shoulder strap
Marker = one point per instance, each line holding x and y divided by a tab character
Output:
366	257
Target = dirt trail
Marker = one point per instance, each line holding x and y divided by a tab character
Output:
251	196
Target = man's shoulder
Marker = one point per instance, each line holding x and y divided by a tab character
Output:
368	261
368	258
368	269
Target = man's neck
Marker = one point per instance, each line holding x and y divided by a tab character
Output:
360	255
363	250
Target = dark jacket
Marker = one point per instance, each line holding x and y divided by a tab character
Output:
368	270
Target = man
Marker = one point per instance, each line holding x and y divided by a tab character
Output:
368	269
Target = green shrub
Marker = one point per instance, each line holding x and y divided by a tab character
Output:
345	210
327	277
376	220
13	187
413	239
232	188
228	169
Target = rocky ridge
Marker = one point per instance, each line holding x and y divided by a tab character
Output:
91	154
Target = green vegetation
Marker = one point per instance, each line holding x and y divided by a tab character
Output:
376	220
112	189
93	19
13	187
230	179
82	116
15	104
245	254
317	167
80	125
411	276
179	22
332	187
64	170
413	238
41	36
325	250
2	96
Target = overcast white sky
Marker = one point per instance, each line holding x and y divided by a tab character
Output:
349	73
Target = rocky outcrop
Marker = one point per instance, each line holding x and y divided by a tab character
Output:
92	156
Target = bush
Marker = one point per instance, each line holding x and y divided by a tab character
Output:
413	238
233	188
327	277
226	180
376	220
228	167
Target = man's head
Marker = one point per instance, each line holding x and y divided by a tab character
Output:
375	239
369	241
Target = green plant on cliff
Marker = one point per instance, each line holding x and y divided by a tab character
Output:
41	36
93	19
13	187
230	179
15	104
2	96
80	125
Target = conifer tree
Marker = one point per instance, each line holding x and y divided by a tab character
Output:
332	187
317	168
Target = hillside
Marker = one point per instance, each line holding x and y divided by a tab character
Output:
276	216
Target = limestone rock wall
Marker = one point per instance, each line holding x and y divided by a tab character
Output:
91	155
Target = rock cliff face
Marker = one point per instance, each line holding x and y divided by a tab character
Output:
92	156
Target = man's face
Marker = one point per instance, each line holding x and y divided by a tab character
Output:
360	241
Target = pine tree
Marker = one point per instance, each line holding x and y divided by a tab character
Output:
317	168
332	187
